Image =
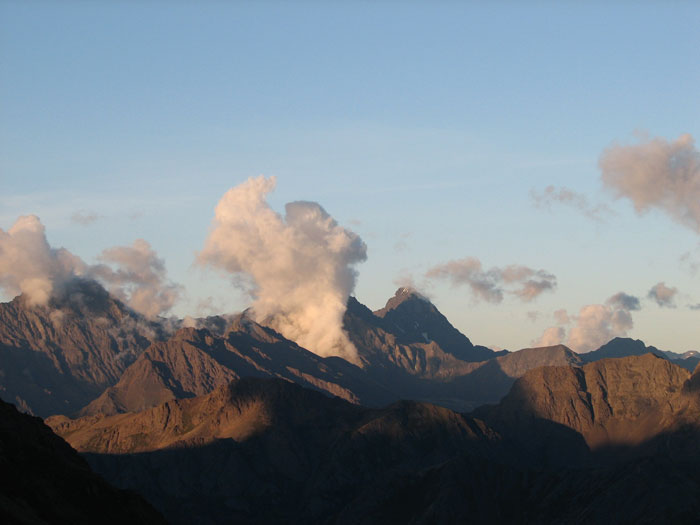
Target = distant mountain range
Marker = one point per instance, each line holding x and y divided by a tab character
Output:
88	353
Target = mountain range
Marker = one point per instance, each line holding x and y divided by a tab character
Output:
558	448
224	419
87	353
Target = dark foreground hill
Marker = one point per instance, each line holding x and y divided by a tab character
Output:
43	480
567	445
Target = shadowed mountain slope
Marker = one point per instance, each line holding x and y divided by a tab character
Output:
266	451
43	480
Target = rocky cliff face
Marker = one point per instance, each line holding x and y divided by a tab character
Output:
43	480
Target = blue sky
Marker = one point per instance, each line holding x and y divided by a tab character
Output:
423	128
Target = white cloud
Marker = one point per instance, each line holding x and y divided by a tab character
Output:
301	266
657	174
30	266
663	295
593	326
138	278
491	285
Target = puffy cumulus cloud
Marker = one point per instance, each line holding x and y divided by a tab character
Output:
491	285
30	266
137	276
300	265
595	324
663	295
623	301
657	174
567	197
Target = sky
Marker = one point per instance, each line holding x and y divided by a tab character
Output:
520	164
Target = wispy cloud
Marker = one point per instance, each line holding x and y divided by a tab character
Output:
84	218
567	197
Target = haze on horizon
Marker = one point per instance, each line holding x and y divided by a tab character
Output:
539	185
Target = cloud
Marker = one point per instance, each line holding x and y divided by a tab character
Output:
657	174
595	324
84	218
554	335
30	266
570	198
137	276
490	285
562	317
301	266
624	302
663	295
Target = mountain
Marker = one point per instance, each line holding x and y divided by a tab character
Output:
57	358
623	347
611	441
43	480
630	405
415	319
194	362
411	349
266	450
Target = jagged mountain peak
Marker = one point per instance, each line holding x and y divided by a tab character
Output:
403	295
414	318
